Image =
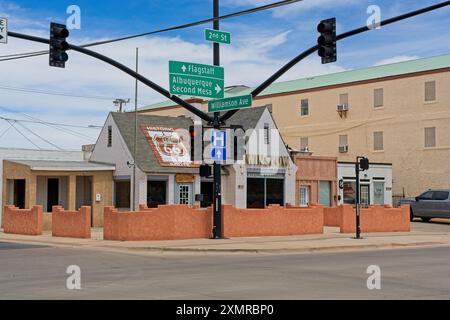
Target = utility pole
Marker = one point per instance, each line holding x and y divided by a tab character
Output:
358	201
133	206
217	225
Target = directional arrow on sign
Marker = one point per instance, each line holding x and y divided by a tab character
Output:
218	88
219	154
183	68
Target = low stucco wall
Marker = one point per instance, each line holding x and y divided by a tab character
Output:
71	224
167	222
373	219
23	221
271	221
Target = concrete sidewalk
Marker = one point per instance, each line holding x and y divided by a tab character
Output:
331	240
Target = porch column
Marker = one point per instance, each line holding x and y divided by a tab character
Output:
72	187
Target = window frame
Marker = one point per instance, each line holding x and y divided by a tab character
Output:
375	106
382	141
302	108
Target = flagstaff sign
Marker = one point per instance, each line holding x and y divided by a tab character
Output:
3	30
196	80
230	103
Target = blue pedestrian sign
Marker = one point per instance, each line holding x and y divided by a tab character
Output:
219	145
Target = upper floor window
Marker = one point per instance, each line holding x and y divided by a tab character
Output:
304	143
378	98
430	91
109	136
430	137
378	141
304	107
343	99
343	140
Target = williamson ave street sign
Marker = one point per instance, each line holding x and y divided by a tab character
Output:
230	103
197	80
3	30
217	36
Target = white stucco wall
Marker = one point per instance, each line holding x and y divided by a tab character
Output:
375	170
256	145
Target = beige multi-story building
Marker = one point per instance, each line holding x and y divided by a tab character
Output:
397	113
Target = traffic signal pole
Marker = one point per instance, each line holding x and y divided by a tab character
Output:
217	220
358	200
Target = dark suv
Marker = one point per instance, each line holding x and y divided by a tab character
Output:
430	204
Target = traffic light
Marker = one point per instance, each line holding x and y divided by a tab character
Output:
58	45
364	164
327	40
205	171
197	144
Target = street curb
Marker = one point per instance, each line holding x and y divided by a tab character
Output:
162	250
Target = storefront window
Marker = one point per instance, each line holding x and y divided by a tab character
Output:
264	191
156	193
274	191
325	193
378	192
255	192
349	192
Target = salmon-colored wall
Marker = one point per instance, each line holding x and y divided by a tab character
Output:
373	219
167	222
22	221
312	170
271	221
72	224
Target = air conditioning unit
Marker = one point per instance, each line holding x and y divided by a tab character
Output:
342	107
305	149
343	149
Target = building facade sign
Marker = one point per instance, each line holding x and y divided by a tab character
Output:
267	161
169	146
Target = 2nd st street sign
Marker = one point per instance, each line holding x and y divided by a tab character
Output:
230	103
217	36
3	30
197	80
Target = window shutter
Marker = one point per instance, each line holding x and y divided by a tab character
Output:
430	137
378	141
430	91
378	98
343	98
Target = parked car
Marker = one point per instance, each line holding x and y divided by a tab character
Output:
430	204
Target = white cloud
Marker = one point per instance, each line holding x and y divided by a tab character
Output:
395	60
248	61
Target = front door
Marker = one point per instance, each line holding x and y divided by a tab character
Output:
304	196
185	194
52	193
365	195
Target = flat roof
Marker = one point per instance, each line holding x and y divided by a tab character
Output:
54	165
351	76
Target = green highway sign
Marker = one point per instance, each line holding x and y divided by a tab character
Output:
217	36
230	103
197	80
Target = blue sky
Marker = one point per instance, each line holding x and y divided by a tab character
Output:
262	42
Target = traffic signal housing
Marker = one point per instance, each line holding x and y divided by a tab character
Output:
205	171
364	164
58	45
327	40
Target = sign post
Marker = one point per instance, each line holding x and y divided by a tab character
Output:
230	103
197	80
3	30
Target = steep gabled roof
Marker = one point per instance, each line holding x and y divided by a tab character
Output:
146	159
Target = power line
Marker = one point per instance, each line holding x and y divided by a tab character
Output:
38	136
60	128
29	140
56	93
7	129
36	120
183	26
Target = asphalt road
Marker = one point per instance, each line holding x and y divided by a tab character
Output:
39	272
